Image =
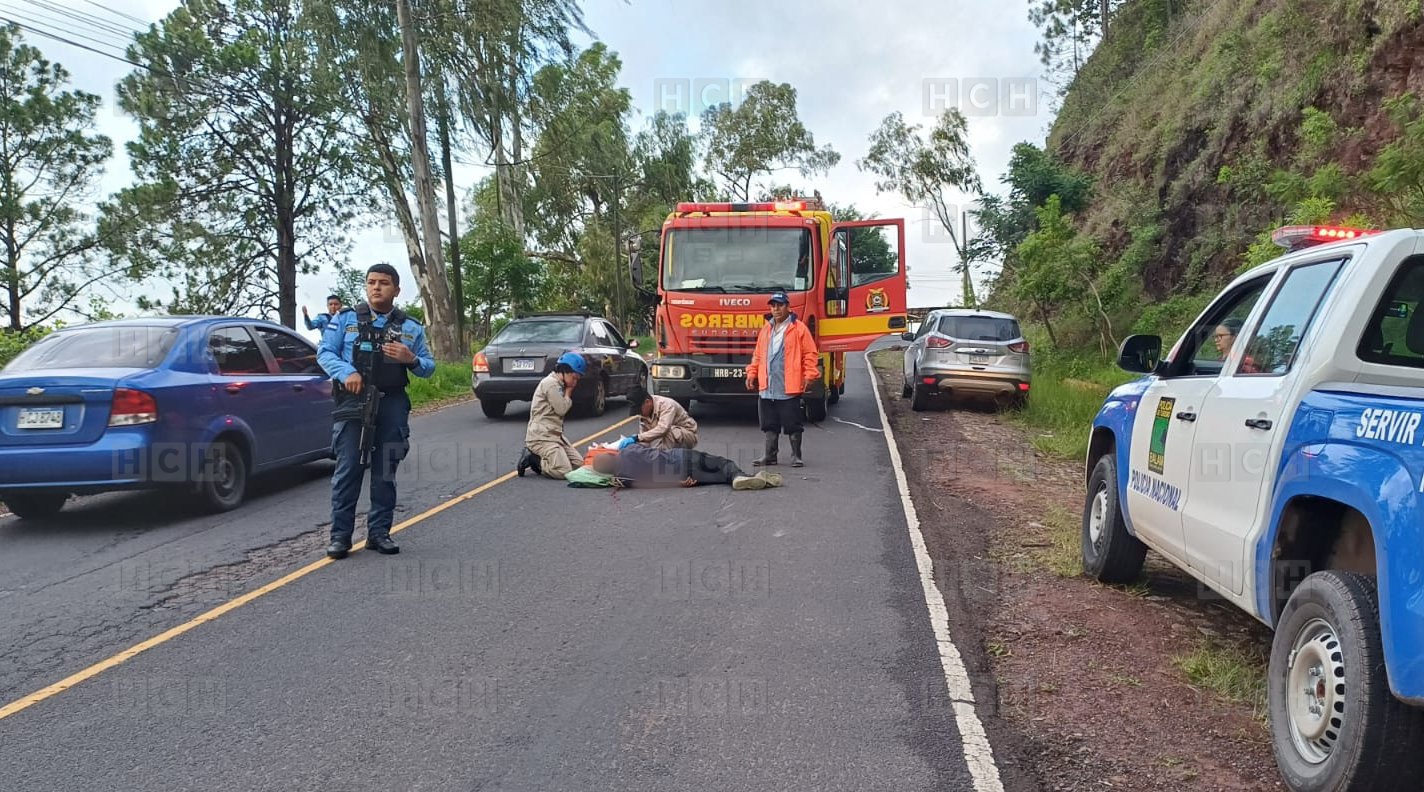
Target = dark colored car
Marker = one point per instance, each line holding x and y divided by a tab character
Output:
524	351
195	403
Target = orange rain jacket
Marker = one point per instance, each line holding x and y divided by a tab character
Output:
798	351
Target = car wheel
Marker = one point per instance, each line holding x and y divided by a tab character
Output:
1110	553
1334	722
223	480
492	408
919	395
35	505
906	389
598	404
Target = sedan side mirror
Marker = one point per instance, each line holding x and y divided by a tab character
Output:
1140	354
907	336
632	343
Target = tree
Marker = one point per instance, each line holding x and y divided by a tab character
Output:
1057	267
760	136
925	170
242	160
499	277
49	160
1070	30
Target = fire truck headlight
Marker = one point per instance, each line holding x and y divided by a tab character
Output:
670	372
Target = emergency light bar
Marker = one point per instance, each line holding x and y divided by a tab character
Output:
1297	237
769	206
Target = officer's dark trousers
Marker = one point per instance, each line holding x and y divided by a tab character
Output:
392	444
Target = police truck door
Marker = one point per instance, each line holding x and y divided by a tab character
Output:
1243	424
865	285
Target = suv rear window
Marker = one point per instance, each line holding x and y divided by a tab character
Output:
130	346
1395	333
540	331
979	328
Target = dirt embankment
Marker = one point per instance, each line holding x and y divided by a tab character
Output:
1097	687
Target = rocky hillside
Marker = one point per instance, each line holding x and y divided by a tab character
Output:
1204	123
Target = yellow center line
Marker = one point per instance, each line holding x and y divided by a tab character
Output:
233	604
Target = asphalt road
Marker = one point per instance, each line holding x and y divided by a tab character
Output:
532	637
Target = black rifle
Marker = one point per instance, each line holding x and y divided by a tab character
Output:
370	402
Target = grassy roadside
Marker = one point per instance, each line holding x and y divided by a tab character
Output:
449	381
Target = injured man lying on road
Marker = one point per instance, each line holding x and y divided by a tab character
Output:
637	465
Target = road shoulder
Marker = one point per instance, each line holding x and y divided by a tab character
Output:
1148	687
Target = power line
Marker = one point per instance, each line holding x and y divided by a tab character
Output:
80	16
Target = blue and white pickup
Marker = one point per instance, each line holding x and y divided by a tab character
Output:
1276	454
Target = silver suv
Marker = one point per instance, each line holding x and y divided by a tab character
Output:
962	352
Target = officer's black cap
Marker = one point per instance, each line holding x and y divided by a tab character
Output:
385	269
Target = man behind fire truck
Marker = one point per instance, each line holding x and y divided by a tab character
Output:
785	364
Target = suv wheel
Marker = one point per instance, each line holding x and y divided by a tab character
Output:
492	408
1110	553
919	395
1334	722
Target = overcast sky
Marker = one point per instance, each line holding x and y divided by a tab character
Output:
851	62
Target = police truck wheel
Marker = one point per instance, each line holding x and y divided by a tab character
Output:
493	408
223	480
34	505
1334	722
1110	553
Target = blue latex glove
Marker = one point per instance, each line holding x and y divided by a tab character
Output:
627	441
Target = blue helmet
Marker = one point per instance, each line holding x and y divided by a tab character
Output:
574	361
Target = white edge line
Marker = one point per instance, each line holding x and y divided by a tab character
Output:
978	753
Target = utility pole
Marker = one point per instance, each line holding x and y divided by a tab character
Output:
440	324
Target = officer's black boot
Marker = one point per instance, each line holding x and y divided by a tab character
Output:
338	548
382	545
796	450
529	461
768	457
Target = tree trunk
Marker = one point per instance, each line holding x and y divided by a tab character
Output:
1103	12
430	273
1047	325
285	205
461	341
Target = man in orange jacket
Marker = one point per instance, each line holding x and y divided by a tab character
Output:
784	364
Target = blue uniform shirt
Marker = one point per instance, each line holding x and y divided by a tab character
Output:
319	323
339	340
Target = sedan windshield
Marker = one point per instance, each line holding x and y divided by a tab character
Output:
128	346
737	259
551	331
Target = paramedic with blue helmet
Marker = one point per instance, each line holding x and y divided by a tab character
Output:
546	450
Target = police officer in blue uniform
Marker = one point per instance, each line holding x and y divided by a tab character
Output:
373	343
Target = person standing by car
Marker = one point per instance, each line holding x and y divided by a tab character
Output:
662	422
546	450
784	363
397	349
333	307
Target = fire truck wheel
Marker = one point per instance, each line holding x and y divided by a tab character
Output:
834	396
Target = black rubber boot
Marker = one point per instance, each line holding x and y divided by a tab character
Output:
529	461
796	450
768	457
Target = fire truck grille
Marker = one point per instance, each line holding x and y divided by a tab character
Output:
719	344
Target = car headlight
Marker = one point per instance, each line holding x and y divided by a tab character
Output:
670	372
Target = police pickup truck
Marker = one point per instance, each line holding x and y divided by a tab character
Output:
1276	454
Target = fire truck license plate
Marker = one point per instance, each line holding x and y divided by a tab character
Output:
730	373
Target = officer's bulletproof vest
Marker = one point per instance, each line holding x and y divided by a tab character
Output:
388	375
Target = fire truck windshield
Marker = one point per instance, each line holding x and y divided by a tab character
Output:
737	259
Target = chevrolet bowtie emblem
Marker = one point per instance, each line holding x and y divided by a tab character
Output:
35	391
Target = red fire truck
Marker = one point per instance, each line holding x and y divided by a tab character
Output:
718	265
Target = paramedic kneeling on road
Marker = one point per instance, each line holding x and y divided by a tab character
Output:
663	422
546	450
784	362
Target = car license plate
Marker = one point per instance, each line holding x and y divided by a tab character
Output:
729	373
980	360
522	364
41	419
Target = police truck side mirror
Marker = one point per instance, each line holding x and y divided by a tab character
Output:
1140	354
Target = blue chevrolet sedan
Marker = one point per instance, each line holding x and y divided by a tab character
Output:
194	403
